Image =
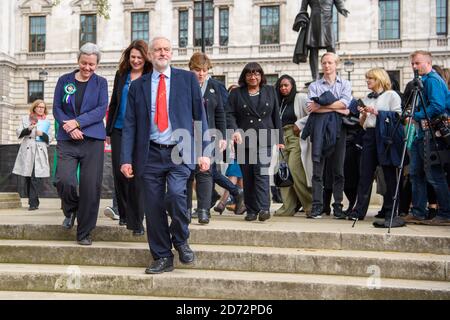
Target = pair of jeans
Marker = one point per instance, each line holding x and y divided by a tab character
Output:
422	171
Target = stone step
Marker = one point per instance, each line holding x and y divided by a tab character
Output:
10	200
212	284
414	266
10	204
9	196
239	233
38	295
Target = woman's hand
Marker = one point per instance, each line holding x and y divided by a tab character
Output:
70	125
237	137
296	130
76	134
39	133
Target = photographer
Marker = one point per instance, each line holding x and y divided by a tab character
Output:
435	93
379	112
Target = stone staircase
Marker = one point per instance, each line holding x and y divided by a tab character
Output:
283	258
10	200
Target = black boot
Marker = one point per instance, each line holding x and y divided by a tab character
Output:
203	216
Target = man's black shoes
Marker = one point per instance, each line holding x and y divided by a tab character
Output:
138	232
251	217
160	265
69	221
263	215
203	216
185	253
397	222
338	212
86	241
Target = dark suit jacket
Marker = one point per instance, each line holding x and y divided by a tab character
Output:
185	107
241	114
93	107
114	105
215	107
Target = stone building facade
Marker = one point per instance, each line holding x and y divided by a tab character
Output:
37	36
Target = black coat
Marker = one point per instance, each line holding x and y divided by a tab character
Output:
241	114
215	106
114	105
320	32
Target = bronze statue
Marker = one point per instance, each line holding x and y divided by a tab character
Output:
316	31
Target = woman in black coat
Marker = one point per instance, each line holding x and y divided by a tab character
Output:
133	64
253	109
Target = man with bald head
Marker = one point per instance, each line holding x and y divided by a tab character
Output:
422	168
162	105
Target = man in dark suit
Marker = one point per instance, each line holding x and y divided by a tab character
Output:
79	106
163	107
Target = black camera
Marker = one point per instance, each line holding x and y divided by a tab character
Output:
441	126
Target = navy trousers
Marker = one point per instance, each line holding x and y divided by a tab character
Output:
165	194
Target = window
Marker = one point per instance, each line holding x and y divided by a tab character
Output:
221	79
209	23
271	79
223	20
183	28
88	28
270	25
37	34
35	90
389	22
335	24
394	75
441	17
139	26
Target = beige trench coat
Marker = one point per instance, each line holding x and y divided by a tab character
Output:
32	154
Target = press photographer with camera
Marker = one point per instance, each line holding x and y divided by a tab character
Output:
379	114
423	167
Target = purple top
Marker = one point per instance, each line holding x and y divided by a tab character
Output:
341	89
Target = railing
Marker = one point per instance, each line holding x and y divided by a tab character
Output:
442	42
223	50
266	48
388	44
36	55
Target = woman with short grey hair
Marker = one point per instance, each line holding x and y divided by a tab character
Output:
79	106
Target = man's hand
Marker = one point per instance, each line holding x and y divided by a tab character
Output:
39	133
237	137
204	163
76	134
127	170
222	145
281	146
70	125
313	107
344	12
296	130
108	140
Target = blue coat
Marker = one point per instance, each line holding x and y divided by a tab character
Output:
185	107
93	108
389	141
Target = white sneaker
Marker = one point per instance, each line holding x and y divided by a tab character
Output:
110	213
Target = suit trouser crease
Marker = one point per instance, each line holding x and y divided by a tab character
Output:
32	185
336	161
89	154
300	189
161	174
368	166
128	191
203	188
256	181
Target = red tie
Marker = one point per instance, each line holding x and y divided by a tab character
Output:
161	119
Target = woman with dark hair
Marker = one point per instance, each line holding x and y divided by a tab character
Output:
133	64
292	109
253	109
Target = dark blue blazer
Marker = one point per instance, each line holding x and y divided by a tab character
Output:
93	107
389	138
185	107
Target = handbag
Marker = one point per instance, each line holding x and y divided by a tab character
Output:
283	177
